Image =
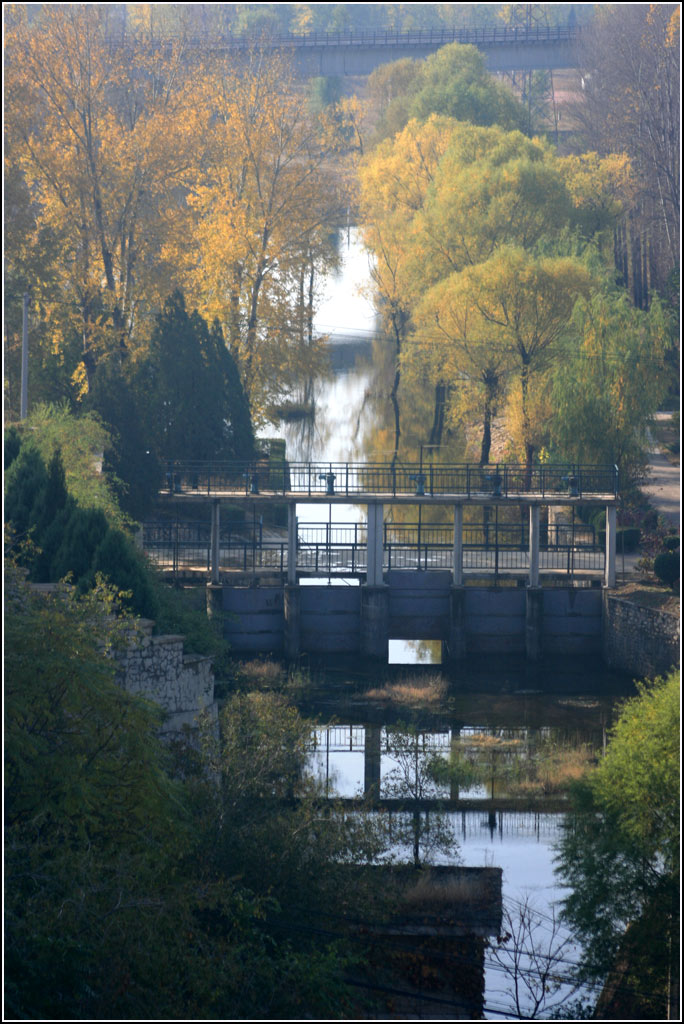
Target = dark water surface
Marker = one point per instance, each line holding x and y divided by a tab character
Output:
497	711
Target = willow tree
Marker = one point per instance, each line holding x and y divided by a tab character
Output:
609	381
455	342
395	180
525	304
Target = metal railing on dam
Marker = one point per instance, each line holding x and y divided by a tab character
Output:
341	549
381	481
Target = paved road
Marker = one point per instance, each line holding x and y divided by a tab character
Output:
664	481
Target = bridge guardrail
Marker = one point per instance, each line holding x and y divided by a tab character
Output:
341	549
350	479
427	37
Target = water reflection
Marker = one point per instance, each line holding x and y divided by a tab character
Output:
415	652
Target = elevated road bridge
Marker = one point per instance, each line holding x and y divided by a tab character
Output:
506	48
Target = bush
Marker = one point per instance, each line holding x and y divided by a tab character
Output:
598	519
671	543
626	541
666	567
118	560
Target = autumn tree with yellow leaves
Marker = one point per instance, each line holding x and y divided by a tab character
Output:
261	213
138	166
99	133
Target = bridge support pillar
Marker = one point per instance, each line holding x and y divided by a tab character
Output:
374	640
534	546
214	601
455	743
458	545
372	752
291	544
456	644
374	552
215	540
293	621
611	547
533	623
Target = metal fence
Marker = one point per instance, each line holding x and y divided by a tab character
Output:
338	548
417	37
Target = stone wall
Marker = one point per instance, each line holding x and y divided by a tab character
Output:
156	667
643	641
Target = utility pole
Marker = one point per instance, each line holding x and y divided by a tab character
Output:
24	359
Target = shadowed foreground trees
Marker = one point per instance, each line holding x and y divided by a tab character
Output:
134	895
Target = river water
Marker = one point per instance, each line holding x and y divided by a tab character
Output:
493	699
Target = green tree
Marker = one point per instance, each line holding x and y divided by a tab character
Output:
117	899
188	389
610	381
83	443
268	824
620	854
524	306
453	82
129	459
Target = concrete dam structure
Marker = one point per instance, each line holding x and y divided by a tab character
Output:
286	611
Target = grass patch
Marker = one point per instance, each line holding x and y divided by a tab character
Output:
553	770
264	675
432	892
650	594
411	691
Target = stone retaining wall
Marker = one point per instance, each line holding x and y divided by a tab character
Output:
643	641
157	668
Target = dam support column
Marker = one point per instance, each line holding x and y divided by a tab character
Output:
533	580
374	639
534	596
291	544
215	601
533	623
215	540
292	606
456	644
374	550
458	546
372	752
611	547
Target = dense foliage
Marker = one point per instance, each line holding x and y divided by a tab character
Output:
491	267
133	894
57	533
620	855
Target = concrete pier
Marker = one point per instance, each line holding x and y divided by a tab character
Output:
611	546
374	632
292	606
372	754
534	611
455	647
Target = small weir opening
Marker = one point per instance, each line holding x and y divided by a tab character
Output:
415	652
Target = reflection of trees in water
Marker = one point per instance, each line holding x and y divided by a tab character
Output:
428	833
